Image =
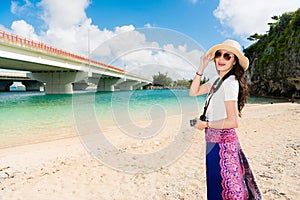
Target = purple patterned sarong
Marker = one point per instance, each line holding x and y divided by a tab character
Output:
228	173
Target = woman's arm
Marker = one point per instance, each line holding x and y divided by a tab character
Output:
196	89
231	121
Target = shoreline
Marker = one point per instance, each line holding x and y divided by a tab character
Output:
64	169
72	132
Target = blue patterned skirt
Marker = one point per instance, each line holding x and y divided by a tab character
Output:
228	174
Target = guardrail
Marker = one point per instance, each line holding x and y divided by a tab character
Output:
49	49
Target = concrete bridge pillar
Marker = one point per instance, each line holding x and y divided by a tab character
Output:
139	86
58	82
128	85
107	84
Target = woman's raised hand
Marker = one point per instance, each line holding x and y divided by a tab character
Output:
204	60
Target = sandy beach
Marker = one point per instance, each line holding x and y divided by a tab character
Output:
64	169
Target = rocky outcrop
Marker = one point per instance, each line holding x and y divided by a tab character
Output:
275	59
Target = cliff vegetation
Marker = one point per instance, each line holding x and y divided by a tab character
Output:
274	69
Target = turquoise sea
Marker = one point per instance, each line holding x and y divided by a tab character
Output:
29	117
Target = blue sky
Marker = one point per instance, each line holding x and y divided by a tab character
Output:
192	19
69	24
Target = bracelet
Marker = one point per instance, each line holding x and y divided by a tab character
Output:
199	74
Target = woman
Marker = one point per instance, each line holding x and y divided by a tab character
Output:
227	171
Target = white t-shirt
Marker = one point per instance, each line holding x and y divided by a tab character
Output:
228	91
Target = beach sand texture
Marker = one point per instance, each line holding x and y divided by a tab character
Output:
63	169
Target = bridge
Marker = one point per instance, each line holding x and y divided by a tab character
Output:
7	79
59	69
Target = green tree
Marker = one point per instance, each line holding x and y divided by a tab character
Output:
182	83
254	37
204	80
162	80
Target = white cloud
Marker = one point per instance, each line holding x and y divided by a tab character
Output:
193	1
246	17
16	9
147	51
123	29
24	29
64	14
148	25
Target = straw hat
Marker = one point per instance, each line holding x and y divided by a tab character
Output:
232	46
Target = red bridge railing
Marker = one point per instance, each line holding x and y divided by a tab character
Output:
50	49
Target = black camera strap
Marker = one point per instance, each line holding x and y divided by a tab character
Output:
214	88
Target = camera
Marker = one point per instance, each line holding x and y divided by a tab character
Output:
193	122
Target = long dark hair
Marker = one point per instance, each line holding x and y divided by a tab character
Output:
239	73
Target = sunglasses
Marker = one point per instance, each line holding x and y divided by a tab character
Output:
226	56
